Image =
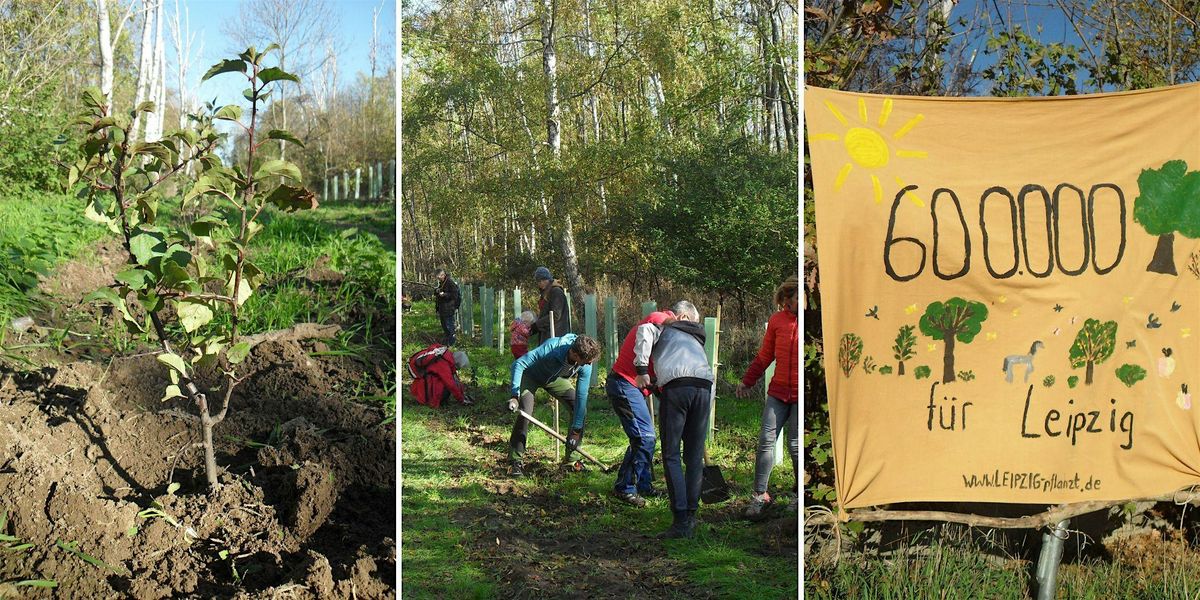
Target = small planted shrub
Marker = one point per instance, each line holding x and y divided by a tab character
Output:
885	370
966	375
182	275
1048	381
922	372
1130	374
1072	381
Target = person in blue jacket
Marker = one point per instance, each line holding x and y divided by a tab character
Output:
551	366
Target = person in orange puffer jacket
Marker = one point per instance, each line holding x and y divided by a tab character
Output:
780	344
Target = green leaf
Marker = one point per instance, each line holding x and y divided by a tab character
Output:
276	74
229	112
37	583
135	279
171	489
155	149
291	198
278	167
225	66
95	212
111	297
193	314
146	106
174	361
147	245
248	94
279	134
244	290
93	98
238	352
172	391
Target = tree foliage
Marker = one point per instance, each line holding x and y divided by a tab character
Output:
678	133
849	353
1093	345
954	320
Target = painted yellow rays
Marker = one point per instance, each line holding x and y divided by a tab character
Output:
868	147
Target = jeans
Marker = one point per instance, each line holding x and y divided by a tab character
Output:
775	415
633	410
683	417
561	390
447	329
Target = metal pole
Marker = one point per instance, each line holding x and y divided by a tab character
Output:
1051	557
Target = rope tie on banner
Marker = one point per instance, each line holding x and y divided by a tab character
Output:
1186	495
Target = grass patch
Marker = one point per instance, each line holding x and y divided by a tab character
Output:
38	230
457	502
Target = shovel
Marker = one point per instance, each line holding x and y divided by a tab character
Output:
713	488
528	417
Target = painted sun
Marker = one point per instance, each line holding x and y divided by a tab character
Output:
868	148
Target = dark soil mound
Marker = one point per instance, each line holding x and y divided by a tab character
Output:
306	508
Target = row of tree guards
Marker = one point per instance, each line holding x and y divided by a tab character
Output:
350	185
493	329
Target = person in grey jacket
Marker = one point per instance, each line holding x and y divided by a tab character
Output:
685	383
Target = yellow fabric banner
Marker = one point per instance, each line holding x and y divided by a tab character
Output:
1010	292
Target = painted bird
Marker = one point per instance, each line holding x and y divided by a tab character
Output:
1131	344
1058	308
874	312
1152	322
1175	306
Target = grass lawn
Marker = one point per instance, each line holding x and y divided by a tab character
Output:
471	531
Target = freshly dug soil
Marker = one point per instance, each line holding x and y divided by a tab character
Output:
305	509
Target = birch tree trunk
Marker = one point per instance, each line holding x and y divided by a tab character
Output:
106	54
554	140
144	67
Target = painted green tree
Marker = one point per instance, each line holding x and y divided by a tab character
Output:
955	320
849	352
1166	205
1130	374
903	348
1093	345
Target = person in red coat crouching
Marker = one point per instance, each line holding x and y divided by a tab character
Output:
782	408
435	375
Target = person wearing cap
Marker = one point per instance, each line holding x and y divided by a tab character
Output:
632	404
684	381
553	299
782	406
551	366
435	376
447	300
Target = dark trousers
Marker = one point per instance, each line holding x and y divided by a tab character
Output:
560	390
447	328
632	409
683	417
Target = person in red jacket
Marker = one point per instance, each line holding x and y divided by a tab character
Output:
783	392
435	375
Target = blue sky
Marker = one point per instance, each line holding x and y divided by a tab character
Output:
207	17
